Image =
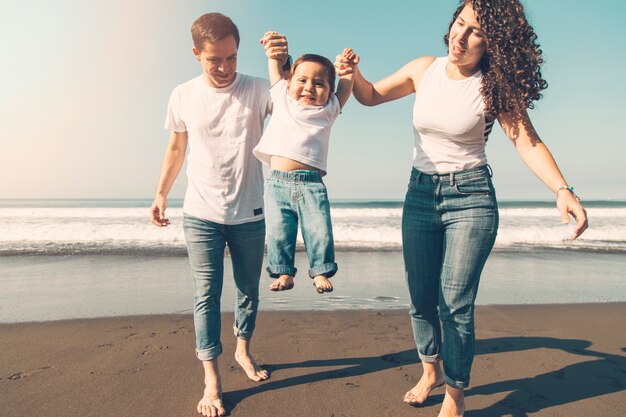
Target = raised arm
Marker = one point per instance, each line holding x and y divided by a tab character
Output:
397	85
346	81
172	163
538	158
276	50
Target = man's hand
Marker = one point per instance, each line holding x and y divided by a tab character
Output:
157	211
275	46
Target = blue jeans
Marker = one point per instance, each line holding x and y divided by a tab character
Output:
206	242
292	197
449	225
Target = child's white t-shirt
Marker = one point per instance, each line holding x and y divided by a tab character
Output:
300	133
225	183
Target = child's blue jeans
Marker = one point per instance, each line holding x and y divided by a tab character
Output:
291	198
449	226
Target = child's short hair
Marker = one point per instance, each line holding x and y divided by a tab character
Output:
212	27
329	66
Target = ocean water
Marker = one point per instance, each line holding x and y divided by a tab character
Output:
123	226
64	259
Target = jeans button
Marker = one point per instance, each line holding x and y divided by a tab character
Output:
435	176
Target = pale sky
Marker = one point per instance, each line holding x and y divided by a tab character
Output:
84	88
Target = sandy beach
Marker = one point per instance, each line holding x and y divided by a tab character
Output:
543	360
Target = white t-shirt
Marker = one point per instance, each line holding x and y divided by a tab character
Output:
449	122
300	133
225	183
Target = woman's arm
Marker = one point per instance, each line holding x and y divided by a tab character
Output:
397	85
538	158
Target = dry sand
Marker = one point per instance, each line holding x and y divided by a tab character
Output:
561	360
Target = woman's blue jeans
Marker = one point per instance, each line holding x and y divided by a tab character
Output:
449	226
206	242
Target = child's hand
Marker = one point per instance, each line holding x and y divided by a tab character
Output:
275	45
346	62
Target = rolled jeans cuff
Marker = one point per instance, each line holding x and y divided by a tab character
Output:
456	384
429	358
209	354
242	334
276	271
328	270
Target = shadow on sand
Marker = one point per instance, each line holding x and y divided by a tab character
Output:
596	374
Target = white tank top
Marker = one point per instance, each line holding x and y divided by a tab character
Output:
449	122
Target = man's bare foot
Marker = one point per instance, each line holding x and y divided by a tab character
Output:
432	377
250	367
282	283
247	362
211	402
322	284
453	403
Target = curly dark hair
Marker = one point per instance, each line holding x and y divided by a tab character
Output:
511	74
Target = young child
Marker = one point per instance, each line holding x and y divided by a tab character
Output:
295	146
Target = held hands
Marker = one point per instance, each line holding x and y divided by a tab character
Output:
157	212
568	204
346	62
275	46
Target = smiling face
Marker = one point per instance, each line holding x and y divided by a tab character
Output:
219	61
309	84
467	43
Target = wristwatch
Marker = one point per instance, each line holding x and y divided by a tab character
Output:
288	63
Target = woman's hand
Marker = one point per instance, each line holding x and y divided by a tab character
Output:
568	204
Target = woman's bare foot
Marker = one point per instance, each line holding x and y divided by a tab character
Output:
453	403
282	283
322	284
211	402
432	377
247	362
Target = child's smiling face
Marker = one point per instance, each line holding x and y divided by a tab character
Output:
309	84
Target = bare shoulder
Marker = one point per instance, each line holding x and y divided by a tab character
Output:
418	67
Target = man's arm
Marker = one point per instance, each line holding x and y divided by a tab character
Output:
172	163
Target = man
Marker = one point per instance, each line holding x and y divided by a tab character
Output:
220	114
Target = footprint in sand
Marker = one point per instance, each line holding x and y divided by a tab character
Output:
20	375
153	349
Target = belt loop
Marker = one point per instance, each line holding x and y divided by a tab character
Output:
419	175
452	179
489	171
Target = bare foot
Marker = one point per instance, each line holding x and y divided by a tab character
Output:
453	403
247	362
211	402
322	284
282	283
431	379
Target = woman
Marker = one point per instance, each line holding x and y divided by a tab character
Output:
450	215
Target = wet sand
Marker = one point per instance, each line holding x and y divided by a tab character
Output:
539	360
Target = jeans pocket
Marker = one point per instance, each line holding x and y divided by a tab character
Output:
473	186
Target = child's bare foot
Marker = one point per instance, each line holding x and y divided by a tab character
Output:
211	402
453	403
322	284
431	379
250	367
282	283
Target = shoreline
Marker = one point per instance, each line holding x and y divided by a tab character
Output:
44	288
544	360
